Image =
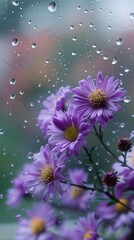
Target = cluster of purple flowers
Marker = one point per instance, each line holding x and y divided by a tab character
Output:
69	117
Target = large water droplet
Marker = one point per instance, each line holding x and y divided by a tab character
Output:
105	57
127	99
12	96
131	15
15	3
34	45
52	7
119	41
14	42
1	131
12	81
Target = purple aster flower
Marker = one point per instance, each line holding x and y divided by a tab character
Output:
53	103
44	176
98	102
117	214
86	228
74	196
38	223
17	192
67	132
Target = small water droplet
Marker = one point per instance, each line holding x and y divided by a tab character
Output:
119	41
85	11
109	27
34	45
29	22
30	155
12	96
74	53
78	7
1	131
126	70
18	216
74	39
114	61
21	92
98	50
105	57
47	61
1	196
122	125
131	15
15	3
14	42
12	81
94	46
91	25
72	27
127	99
52	7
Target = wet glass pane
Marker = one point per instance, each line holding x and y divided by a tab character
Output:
47	45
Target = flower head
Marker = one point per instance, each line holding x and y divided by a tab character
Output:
98	102
53	103
75	196
124	144
86	228
44	176
110	178
67	132
37	225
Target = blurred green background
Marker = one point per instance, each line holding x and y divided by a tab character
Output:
43	50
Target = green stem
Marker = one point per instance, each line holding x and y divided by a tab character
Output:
95	168
99	136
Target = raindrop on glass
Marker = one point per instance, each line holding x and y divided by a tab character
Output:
34	45
12	96
12	81
14	42
114	61
15	3
127	99
132	15
119	41
52	7
1	131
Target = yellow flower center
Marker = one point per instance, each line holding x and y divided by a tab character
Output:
71	133
120	207
76	192
88	235
97	99
37	225
47	174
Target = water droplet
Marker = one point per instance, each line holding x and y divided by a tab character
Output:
52	7
18	216
122	125
127	99
94	46
1	196
72	27
32	104
90	168
29	22
1	131
131	15
12	96
109	27
15	3
21	92
78	7
105	57
85	11
126	70
74	39
98	50
74	53
119	41
14	42
114	61
47	61
91	25
34	45
12	81
30	155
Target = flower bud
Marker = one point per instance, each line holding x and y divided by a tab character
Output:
124	144
110	178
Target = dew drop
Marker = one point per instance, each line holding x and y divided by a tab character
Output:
91	25
114	61
126	70
74	39
34	45
1	131
12	96
12	81
98	50
94	46
15	3
47	61
119	41
18	216
105	57
30	155
127	99
14	42
131	15
72	27
74	53
21	92
109	27
78	7
52	7
122	125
